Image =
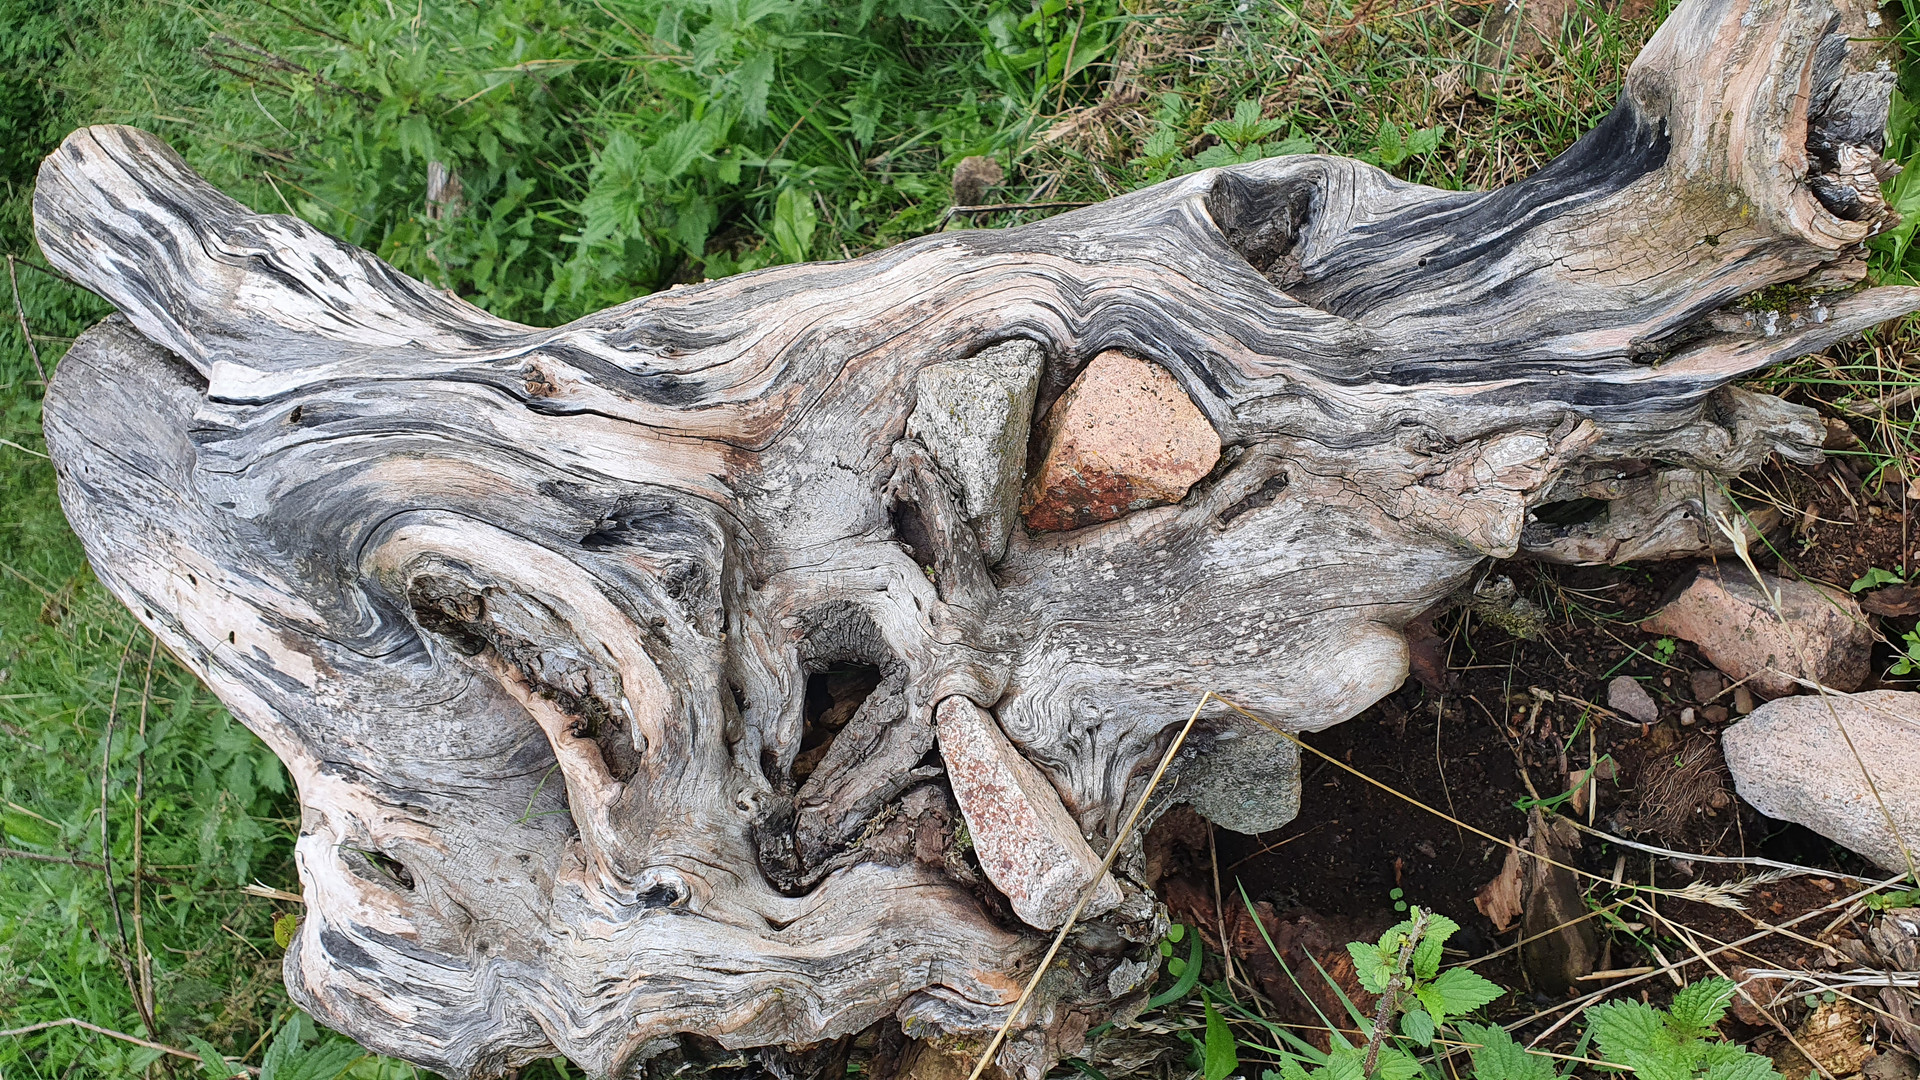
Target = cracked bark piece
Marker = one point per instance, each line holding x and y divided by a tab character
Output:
973	415
1123	437
1028	844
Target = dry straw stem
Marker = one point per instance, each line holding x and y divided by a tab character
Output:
26	332
142	958
1741	860
106	847
1688	932
68	1021
1106	864
268	892
1835	982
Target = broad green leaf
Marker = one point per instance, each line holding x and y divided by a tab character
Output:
1698	1007
1290	1069
285	1045
1368	964
1426	955
321	1061
1417	1024
1396	1064
1347	1063
212	1062
1671	1065
1622	1027
1222	1057
1873	579
793	223
1743	1067
1500	1058
676	151
1246	127
753	80
1458	991
1423	141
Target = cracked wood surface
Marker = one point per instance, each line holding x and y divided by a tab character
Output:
531	614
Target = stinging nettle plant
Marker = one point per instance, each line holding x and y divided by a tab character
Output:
1679	1042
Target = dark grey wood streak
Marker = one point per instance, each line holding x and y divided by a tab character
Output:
529	613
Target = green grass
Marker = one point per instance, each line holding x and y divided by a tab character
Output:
604	148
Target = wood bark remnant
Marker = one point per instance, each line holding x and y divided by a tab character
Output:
532	614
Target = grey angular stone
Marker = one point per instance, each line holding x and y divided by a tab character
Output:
1247	781
1790	760
974	416
1625	695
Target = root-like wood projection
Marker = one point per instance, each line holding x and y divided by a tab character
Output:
531	615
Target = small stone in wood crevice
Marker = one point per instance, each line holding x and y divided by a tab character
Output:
1125	436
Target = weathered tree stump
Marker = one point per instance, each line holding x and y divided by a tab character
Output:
531	614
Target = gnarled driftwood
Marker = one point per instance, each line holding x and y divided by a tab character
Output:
531	614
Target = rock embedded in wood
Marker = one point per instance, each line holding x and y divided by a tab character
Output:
974	415
1792	761
1803	631
1123	437
1028	845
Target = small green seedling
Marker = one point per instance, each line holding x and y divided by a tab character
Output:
1398	897
1876	577
1663	649
1241	139
1889	901
1185	971
1393	145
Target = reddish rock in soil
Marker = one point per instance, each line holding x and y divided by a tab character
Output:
1029	846
1756	993
1818	633
1123	437
1706	686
